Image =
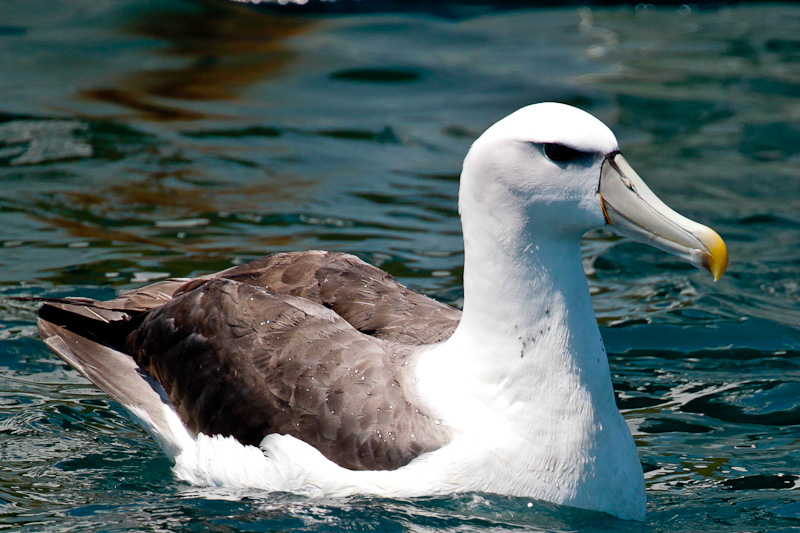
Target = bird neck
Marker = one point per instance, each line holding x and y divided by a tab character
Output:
528	339
528	314
524	382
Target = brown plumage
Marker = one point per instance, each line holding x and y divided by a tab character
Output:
308	344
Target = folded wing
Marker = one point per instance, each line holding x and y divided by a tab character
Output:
311	345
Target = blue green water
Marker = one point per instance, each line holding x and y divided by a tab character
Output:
140	140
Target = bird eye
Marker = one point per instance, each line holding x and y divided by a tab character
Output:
560	153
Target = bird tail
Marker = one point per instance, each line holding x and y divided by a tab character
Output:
121	377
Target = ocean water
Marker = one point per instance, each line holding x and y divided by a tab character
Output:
141	140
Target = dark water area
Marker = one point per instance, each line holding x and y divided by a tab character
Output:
143	140
458	9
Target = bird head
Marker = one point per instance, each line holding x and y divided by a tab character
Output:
553	171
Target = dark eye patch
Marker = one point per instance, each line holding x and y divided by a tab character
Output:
561	154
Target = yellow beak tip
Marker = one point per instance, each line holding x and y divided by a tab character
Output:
717	255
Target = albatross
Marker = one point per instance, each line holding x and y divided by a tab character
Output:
319	374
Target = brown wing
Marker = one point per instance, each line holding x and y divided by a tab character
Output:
273	346
367	297
238	360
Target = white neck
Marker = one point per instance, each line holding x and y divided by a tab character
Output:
525	379
528	333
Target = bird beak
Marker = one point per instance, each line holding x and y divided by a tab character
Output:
633	210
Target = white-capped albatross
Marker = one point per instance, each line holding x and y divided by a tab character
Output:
319	374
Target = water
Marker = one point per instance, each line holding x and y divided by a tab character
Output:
140	140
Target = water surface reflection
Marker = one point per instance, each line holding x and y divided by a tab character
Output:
140	140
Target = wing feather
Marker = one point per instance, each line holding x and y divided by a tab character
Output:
307	344
368	298
303	370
